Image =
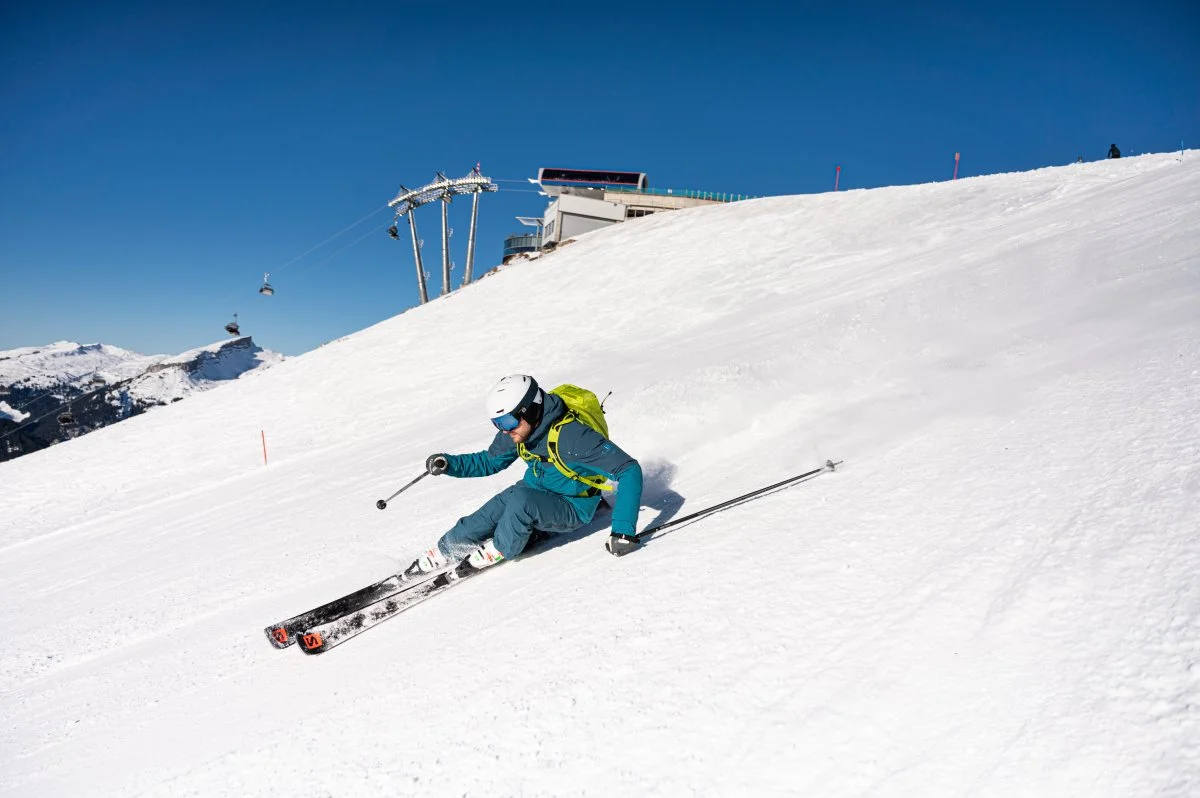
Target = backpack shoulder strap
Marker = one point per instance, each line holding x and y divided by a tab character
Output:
594	483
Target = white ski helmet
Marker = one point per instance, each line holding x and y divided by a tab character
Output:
514	398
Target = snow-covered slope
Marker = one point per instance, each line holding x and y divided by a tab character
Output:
996	595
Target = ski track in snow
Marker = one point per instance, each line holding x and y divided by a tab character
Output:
996	594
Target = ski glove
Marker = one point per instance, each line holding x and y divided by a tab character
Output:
619	545
436	464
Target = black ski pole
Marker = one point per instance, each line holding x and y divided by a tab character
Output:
830	465
382	503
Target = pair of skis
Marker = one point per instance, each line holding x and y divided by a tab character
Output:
331	624
328	625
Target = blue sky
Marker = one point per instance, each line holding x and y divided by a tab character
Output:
155	161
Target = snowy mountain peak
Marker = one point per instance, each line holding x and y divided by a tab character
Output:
53	393
66	363
198	369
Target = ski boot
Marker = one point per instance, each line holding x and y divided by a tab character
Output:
485	555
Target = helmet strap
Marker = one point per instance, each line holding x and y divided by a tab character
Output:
533	413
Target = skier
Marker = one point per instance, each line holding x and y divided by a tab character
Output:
1113	152
546	499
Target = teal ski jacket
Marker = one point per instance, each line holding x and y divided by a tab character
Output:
582	449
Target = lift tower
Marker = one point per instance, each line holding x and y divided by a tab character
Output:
442	189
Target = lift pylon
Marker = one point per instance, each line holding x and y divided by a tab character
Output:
442	189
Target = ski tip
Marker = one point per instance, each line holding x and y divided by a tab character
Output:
279	636
312	642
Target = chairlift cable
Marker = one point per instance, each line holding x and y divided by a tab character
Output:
58	409
331	238
355	242
28	402
266	289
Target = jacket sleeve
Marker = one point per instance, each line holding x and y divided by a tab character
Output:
499	456
588	452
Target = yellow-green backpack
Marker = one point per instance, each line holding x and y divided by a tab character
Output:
584	407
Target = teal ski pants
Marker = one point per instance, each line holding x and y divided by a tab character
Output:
509	518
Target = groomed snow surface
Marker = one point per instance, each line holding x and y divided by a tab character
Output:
996	595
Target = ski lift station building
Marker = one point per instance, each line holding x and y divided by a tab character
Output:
583	200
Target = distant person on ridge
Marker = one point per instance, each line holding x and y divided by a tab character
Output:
1113	152
568	463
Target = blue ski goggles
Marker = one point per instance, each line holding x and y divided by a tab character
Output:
506	423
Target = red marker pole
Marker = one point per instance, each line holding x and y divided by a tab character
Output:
264	440
837	175
955	167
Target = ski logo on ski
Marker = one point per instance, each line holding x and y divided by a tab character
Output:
312	642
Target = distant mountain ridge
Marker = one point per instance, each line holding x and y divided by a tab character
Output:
53	393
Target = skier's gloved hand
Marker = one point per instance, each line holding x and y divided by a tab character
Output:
619	545
436	464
